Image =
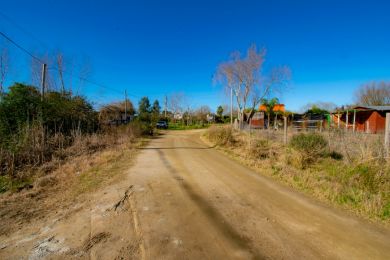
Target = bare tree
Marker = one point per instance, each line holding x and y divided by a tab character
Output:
60	68
4	68
244	76
36	68
373	94
177	102
202	112
36	72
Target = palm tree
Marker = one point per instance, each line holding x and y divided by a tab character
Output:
269	104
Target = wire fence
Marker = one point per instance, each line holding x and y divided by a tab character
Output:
338	139
353	146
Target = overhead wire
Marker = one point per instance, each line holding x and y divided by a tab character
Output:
54	68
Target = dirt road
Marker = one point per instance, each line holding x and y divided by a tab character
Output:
185	200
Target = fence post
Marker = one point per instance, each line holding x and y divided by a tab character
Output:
338	121
285	130
387	132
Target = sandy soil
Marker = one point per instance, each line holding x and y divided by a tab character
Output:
185	200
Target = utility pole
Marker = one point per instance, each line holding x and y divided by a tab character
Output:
285	130
231	106
125	106
387	132
165	106
43	81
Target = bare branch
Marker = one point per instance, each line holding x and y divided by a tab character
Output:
243	75
373	94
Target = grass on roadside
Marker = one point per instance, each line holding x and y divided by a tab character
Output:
308	164
92	164
107	167
13	184
179	126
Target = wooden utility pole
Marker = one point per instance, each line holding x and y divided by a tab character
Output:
387	132
285	130
231	106
165	106
338	121
43	81
125	106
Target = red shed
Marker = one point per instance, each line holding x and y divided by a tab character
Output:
369	119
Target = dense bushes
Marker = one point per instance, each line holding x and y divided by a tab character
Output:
31	129
310	145
221	135
260	149
351	171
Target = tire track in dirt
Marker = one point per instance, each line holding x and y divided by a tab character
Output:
136	224
214	216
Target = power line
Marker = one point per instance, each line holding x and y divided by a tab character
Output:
11	21
27	32
20	47
54	68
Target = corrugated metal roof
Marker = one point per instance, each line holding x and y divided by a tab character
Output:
378	108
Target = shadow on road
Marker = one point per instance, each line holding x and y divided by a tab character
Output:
176	148
217	219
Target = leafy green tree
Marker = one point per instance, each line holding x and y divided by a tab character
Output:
144	110
18	108
220	111
145	115
156	111
219	116
315	110
25	120
156	107
144	106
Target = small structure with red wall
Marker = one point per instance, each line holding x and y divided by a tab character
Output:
369	119
258	118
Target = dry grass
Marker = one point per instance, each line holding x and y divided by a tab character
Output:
59	149
352	172
91	163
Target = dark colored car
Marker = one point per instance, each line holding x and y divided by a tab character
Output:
162	125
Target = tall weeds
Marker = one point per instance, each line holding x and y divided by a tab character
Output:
35	132
343	168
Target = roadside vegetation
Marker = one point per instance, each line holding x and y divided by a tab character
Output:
181	126
64	185
38	134
55	151
345	169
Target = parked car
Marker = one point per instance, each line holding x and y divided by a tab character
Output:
162	125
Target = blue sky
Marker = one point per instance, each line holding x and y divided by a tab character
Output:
153	48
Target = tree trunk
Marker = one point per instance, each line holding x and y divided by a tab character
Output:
276	121
268	121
